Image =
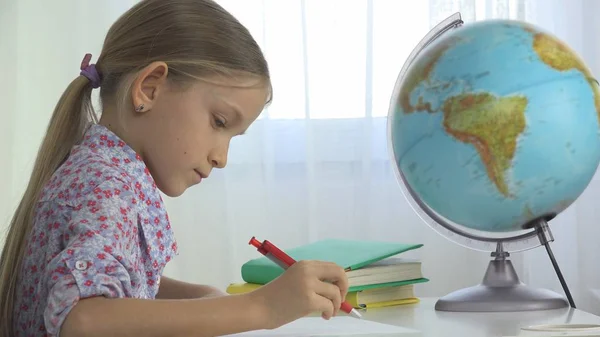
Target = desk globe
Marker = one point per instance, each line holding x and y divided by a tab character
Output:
494	130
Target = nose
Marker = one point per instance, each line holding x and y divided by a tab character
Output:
218	163
218	158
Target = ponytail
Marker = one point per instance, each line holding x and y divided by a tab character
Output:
71	117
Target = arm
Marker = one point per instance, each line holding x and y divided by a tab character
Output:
156	318
175	289
93	285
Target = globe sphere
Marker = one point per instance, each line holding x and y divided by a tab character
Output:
496	124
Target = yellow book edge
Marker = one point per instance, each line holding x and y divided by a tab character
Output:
241	288
351	298
404	301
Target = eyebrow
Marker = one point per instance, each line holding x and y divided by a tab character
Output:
237	113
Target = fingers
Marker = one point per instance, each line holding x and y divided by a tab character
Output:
324	305
332	293
342	286
328	284
331	272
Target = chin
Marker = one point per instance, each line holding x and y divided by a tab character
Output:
171	190
174	194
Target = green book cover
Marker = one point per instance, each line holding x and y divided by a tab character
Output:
389	284
348	254
240	288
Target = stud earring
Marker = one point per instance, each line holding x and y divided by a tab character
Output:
139	108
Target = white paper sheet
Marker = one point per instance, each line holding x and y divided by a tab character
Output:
337	326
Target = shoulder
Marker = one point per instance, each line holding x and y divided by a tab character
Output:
83	174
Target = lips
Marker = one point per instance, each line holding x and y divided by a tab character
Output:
202	176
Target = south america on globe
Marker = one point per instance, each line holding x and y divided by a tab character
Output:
496	124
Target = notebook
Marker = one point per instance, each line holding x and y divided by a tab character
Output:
237	288
382	297
336	326
374	296
351	255
392	269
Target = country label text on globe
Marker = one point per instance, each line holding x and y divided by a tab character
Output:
497	123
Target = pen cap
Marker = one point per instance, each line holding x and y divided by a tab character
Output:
258	245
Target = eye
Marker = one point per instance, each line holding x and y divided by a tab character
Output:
220	123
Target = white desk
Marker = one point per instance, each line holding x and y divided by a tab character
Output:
432	323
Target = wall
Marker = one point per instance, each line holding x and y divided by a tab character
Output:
8	51
39	46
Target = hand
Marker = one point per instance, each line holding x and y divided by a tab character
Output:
305	287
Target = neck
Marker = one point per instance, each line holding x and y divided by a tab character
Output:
118	125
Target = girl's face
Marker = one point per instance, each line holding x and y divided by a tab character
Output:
182	134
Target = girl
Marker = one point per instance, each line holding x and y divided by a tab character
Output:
90	238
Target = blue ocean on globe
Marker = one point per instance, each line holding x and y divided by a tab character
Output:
496	124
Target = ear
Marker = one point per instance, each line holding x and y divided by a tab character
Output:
148	85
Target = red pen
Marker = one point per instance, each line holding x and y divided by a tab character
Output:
285	261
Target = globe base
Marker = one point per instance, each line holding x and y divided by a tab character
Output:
501	291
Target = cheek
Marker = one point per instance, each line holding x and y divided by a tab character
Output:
176	142
183	134
194	139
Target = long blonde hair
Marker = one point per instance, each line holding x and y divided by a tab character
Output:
196	38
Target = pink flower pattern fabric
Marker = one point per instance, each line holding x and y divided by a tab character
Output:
100	229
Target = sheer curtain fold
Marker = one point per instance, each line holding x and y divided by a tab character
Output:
316	163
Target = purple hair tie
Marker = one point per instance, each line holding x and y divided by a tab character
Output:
89	70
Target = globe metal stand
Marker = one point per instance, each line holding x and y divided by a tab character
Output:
501	289
545	235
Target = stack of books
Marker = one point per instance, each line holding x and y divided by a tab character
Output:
377	276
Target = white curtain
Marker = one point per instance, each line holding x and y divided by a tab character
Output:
316	164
